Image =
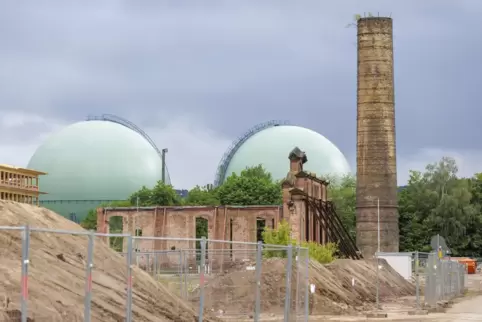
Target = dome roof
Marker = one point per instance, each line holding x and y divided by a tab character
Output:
96	160
271	147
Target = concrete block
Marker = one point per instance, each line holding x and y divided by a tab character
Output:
377	315
418	312
436	310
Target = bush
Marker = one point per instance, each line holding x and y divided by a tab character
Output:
282	237
321	253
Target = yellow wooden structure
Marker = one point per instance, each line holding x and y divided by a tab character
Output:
20	184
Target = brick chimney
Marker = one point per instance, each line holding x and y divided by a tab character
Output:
297	159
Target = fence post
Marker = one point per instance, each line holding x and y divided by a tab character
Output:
307	287
181	274
450	280
417	279
156	255
289	267
201	279
297	286
259	258
378	282
442	267
88	277
185	274
129	280
25	262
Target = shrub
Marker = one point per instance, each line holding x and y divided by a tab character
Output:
321	253
282	237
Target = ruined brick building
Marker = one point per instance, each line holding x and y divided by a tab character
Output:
305	208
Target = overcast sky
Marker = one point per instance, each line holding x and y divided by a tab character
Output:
197	74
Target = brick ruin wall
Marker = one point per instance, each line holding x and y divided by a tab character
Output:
376	151
229	223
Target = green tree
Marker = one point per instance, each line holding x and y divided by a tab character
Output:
414	206
473	243
90	221
437	202
202	196
160	195
342	192
257	172
141	197
254	186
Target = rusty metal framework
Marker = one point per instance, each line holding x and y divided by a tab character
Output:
329	222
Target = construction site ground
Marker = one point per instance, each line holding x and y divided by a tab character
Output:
57	275
465	308
345	289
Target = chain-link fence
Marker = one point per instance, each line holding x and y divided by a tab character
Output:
230	279
445	279
437	279
237	280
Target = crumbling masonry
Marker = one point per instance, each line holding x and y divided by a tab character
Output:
305	207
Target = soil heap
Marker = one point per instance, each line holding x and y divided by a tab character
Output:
233	291
57	275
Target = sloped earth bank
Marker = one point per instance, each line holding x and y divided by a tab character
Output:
57	275
233	291
336	295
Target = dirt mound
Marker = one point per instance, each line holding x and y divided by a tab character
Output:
233	291
335	293
57	275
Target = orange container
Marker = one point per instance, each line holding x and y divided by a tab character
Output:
470	264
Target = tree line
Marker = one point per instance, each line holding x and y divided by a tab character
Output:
434	201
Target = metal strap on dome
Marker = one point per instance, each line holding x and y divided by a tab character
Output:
132	126
229	154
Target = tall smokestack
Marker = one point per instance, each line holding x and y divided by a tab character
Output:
376	152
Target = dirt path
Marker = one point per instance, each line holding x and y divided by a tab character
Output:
469	310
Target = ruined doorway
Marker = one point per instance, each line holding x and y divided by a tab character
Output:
260	226
116	226
201	231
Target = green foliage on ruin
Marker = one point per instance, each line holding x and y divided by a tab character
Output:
160	195
281	236
202	196
253	186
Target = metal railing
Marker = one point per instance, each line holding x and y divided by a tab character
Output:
228	279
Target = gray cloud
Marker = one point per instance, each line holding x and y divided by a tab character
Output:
225	66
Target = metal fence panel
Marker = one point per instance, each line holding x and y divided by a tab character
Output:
420	271
445	279
106	272
229	279
13	295
302	286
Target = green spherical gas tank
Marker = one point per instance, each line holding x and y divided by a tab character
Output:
272	145
91	162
